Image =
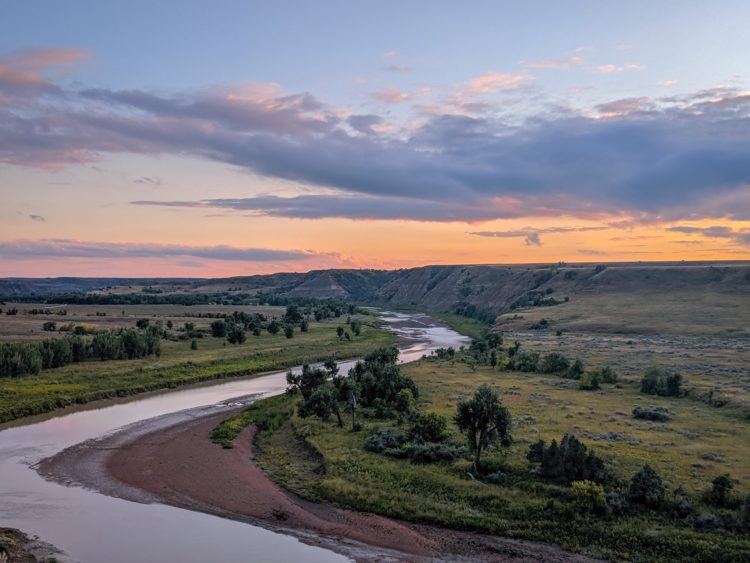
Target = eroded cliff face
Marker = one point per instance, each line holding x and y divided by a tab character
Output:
497	289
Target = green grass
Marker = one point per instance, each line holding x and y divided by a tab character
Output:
179	365
319	461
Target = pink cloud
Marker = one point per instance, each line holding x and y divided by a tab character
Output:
391	95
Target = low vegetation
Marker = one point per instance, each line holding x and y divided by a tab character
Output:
40	376
520	454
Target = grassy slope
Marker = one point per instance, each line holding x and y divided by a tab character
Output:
321	462
178	365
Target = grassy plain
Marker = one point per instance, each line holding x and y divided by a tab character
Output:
322	462
26	326
179	365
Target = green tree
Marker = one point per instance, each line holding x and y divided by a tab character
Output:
340	332
289	331
647	488
235	333
273	327
218	328
484	421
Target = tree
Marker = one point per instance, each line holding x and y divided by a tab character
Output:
142	323
340	332
273	327
304	326
647	488
193	344
306	381
235	333
293	315
289	331
319	396
484	421
218	329
348	391
380	378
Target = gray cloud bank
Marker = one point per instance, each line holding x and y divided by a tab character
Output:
671	158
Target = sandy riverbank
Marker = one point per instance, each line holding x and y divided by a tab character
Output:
170	459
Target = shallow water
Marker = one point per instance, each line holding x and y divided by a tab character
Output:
91	527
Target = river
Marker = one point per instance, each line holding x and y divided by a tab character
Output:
91	527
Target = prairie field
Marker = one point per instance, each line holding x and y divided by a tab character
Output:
323	462
27	326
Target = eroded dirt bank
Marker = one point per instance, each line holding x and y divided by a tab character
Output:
172	460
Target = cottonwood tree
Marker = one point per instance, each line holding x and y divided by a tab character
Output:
484	421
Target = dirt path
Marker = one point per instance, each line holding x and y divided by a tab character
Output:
177	464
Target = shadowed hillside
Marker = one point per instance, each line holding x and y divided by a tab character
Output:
577	296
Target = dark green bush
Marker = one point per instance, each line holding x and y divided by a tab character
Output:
658	414
647	488
662	382
567	462
429	427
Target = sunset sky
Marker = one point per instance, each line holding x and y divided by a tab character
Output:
202	139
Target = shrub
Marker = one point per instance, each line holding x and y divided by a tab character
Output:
576	369
589	381
385	442
289	331
588	496
616	503
141	323
605	374
429	427
426	452
193	344
498	478
657	414
49	326
721	491
662	382
404	400
553	363
524	360
567	462
745	512
647	488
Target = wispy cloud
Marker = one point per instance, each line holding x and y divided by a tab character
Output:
69	248
38	218
740	237
391	95
574	61
532	236
610	68
397	68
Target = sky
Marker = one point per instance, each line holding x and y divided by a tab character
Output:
206	139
